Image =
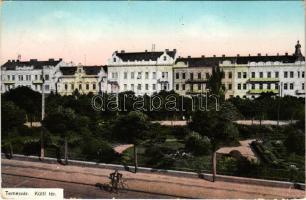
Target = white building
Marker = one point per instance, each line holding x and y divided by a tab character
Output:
142	72
15	73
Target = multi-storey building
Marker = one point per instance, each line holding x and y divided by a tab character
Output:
248	76
32	73
142	72
84	79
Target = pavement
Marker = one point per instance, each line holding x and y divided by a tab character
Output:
140	185
244	149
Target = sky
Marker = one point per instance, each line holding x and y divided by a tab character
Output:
89	32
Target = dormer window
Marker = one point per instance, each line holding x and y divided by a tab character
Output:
80	70
165	58
114	59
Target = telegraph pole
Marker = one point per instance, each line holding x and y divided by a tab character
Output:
42	150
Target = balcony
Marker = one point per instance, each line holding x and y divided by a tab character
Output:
260	80
299	92
196	81
196	91
259	91
37	81
8	82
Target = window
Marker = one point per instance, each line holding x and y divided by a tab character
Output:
72	86
80	86
147	86
8	77
184	75
132	75
244	74
28	77
223	74
276	74
139	75
47	77
154	86
253	74
47	87
154	75
253	86
229	75
183	86
177	75
260	74
80	70
191	76
66	86
147	75
268	86
291	74
244	86
13	77
139	87
269	74
20	77
93	86
177	86
114	59
125	87
239	74
303	73
132	87
285	86
87	86
35	77
199	75
260	86
298	74
239	86
303	86
125	75
291	86
35	87
229	86
164	74
115	75
276	86
286	74
165	58
199	86
191	87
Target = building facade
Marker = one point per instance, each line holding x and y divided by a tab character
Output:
141	72
84	79
33	74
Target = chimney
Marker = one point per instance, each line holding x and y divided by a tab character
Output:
60	59
258	54
166	50
223	55
146	50
286	54
174	50
116	52
203	56
238	55
9	61
122	51
51	59
249	54
266	54
189	56
33	60
13	61
214	56
277	54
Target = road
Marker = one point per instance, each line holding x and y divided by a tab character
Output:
80	182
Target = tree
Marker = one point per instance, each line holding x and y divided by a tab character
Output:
132	128
215	82
197	144
217	129
295	141
63	122
12	119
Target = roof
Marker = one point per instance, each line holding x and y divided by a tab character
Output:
68	70
92	70
214	61
12	64
146	55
